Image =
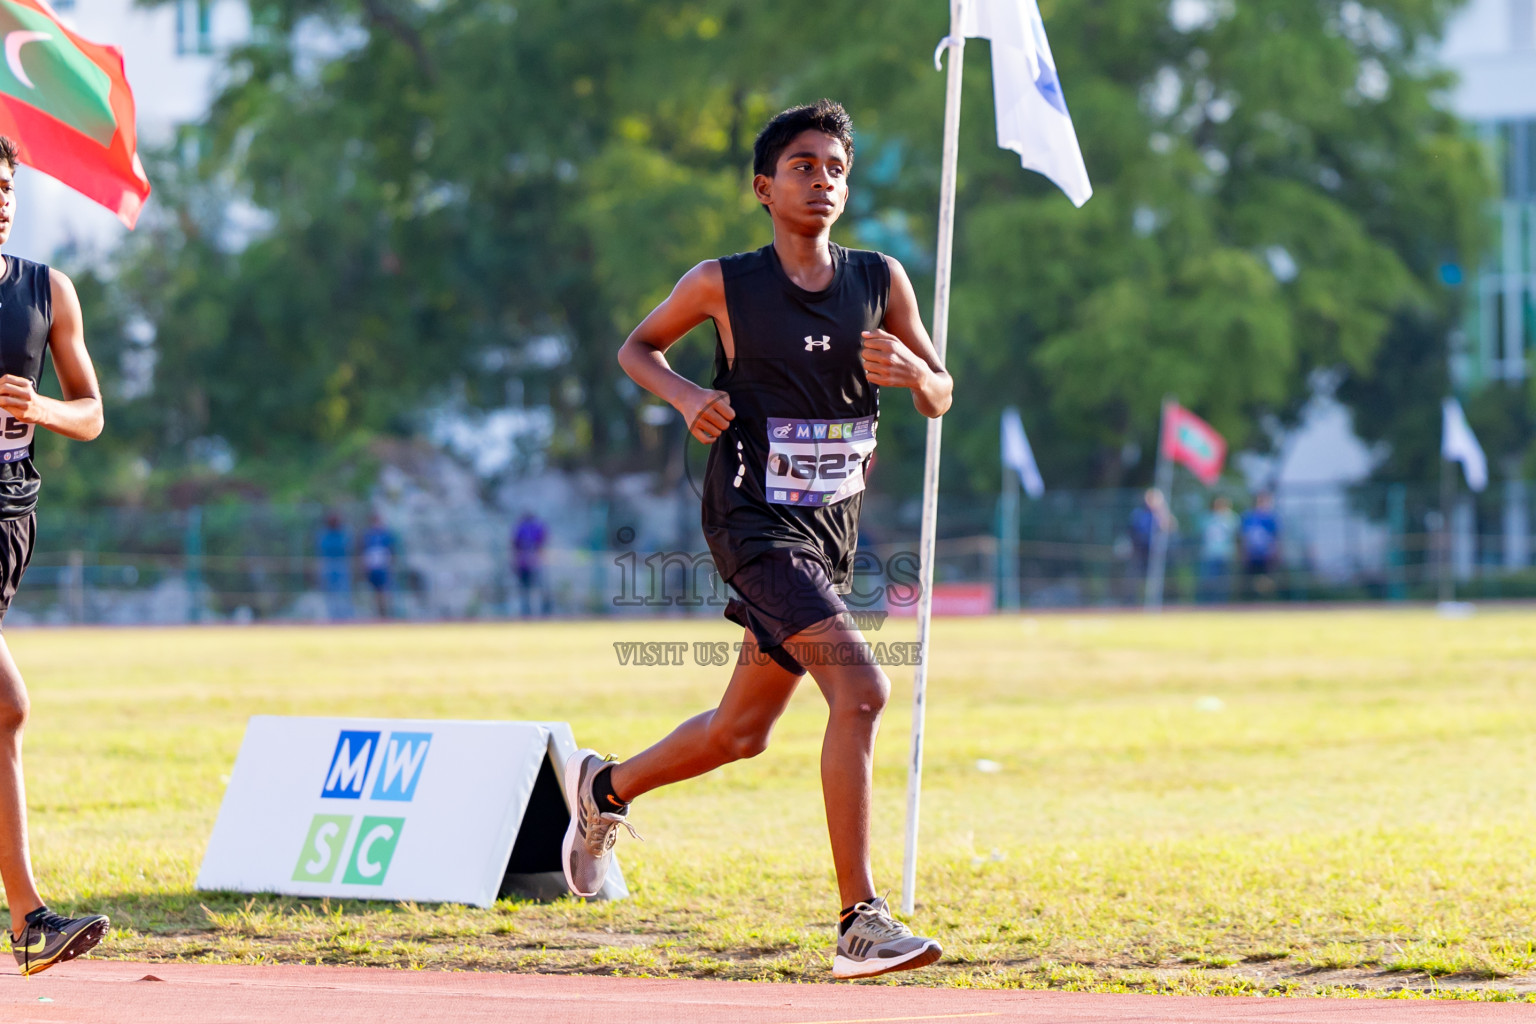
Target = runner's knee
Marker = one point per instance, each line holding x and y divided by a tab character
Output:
14	708
738	742
863	695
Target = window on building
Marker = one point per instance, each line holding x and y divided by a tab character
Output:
1522	24
1517	159
193	34
1500	319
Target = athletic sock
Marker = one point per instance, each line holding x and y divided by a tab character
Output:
847	917
602	792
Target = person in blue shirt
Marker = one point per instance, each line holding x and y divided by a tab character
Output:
378	551
1148	519
1260	537
334	547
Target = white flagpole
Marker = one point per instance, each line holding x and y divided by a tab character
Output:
956	45
1008	542
1157	557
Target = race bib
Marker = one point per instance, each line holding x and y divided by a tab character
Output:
15	439
817	462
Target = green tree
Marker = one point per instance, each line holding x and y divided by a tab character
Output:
452	204
1273	184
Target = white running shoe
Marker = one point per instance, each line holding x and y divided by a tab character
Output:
588	848
877	943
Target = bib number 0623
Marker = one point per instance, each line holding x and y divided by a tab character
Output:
831	466
817	462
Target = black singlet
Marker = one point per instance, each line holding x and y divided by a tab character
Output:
26	317
789	471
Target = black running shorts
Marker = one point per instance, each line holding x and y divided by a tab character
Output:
782	592
16	539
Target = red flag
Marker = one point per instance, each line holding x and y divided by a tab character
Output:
1189	439
65	102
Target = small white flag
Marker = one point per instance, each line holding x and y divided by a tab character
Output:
1017	455
1032	118
1459	444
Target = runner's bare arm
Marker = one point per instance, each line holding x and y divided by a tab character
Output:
901	355
78	414
699	296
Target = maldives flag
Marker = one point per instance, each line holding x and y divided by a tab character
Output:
1189	439
65	102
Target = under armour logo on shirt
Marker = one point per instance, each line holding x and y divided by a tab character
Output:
824	344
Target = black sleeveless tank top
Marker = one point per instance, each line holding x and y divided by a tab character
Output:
26	317
789	472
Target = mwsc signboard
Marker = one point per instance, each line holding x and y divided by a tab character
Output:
394	809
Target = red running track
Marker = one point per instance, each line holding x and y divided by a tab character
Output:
117	992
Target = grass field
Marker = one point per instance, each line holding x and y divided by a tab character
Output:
1300	803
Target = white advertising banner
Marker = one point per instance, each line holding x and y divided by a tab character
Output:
393	809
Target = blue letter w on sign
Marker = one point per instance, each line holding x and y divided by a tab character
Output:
401	769
349	765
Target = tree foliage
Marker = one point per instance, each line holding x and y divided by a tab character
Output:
396	208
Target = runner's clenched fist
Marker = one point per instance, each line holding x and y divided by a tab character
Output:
707	414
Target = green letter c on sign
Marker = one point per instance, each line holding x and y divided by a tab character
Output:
376	841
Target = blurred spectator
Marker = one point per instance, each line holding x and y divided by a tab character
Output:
528	540
1218	545
378	551
1260	532
335	550
1150	518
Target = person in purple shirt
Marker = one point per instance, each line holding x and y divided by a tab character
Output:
528	539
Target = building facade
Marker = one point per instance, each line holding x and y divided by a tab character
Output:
171	56
1491	44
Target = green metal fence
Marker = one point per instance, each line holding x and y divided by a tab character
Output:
241	562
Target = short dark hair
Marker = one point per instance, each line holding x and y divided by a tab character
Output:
8	152
822	116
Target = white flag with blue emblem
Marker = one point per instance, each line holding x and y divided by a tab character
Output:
1032	118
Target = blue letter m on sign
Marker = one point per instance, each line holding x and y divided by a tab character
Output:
401	768
349	765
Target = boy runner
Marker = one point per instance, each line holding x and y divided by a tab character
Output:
808	332
39	313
